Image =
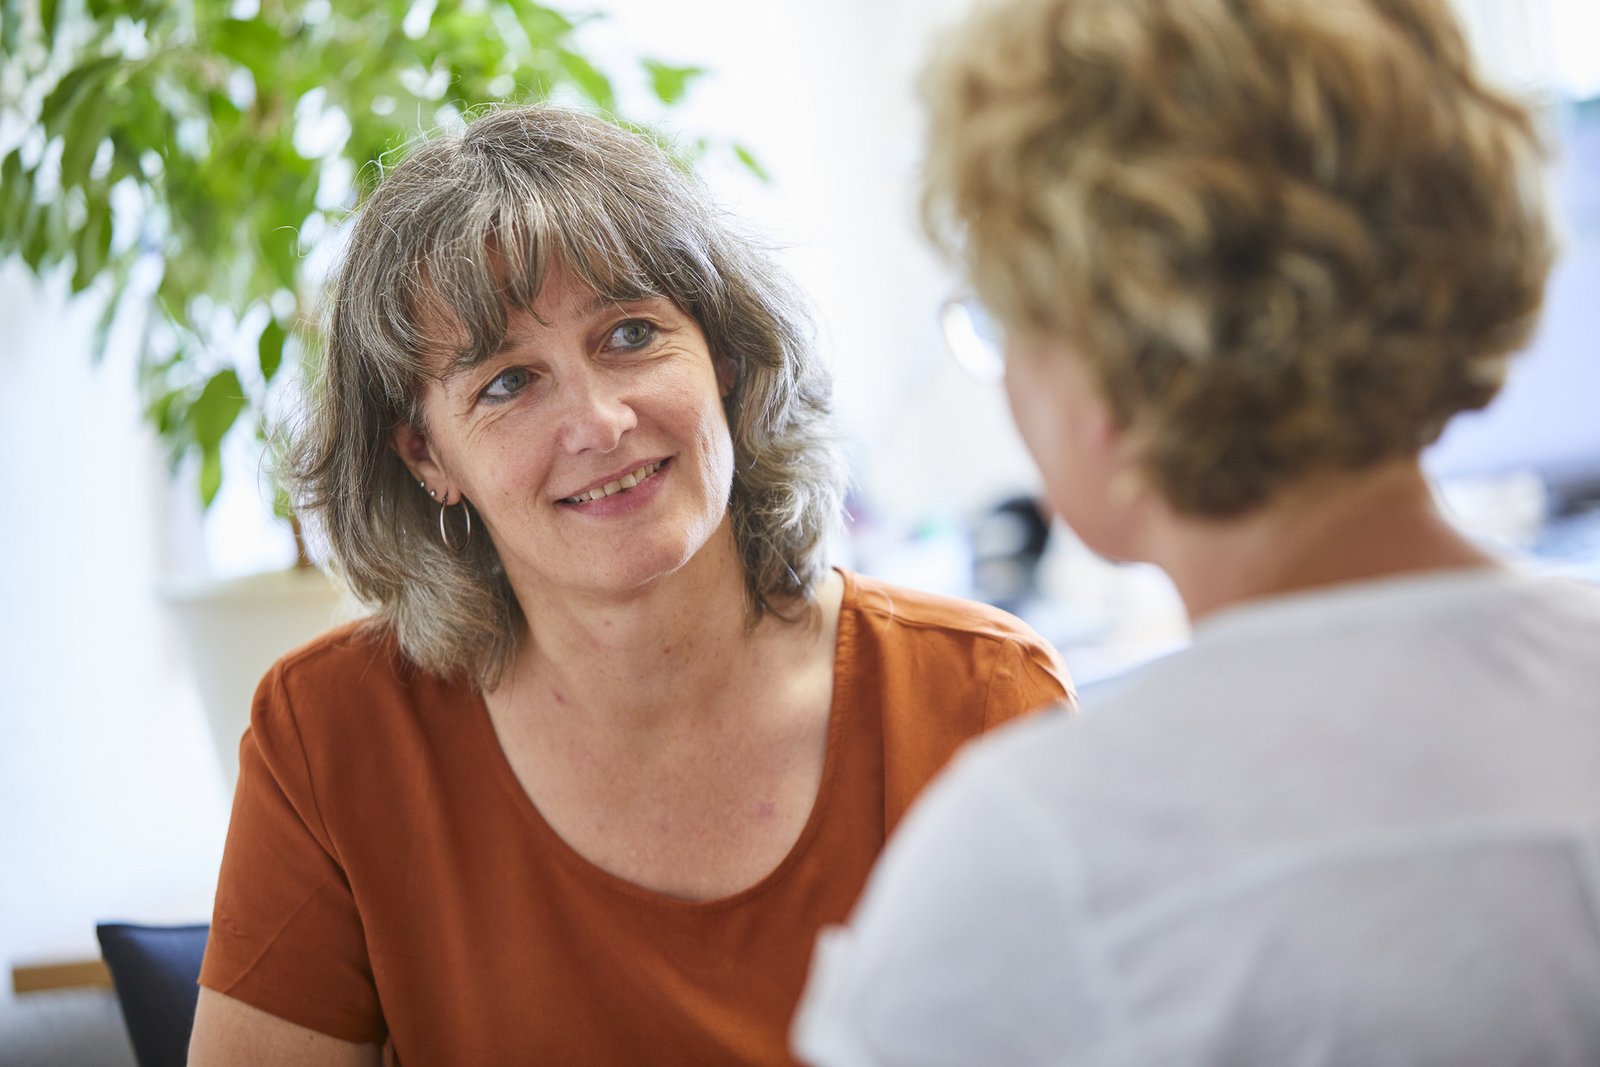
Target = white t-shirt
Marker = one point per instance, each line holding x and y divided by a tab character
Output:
1358	826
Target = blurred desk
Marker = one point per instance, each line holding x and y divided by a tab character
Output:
65	974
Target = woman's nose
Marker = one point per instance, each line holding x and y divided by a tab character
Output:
596	412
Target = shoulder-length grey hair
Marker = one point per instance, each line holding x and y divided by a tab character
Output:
470	225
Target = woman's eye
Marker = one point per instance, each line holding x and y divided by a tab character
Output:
635	333
507	384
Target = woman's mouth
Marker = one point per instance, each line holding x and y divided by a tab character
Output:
621	485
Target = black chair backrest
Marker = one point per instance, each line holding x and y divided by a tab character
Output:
156	970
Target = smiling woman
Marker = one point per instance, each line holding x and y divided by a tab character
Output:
616	742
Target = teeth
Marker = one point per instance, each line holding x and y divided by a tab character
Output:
627	481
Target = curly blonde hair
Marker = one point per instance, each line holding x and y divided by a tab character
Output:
1289	236
471	224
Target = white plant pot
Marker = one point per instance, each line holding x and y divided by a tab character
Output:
233	630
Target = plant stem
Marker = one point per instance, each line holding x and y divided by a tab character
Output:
302	558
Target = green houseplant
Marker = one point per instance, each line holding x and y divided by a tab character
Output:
185	156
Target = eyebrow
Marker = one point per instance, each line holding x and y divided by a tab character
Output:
465	360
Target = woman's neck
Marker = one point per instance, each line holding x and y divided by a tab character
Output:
1377	523
656	654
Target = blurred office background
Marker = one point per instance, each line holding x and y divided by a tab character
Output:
113	803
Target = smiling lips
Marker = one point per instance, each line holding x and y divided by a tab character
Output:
627	481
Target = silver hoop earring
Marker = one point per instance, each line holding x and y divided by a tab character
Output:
444	534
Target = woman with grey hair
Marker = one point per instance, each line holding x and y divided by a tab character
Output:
615	742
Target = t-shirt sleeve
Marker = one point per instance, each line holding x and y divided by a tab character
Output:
968	947
1028	675
286	935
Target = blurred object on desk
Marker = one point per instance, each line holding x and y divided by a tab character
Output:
1008	544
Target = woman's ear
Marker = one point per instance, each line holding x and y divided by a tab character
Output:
727	374
411	445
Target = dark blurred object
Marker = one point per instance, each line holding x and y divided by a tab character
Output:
156	970
1008	542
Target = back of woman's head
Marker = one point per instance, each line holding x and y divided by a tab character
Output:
1289	236
467	227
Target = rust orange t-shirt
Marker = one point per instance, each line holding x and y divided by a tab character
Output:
387	879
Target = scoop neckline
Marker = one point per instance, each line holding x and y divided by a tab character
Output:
570	857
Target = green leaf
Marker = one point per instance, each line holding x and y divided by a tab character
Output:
217	408
670	83
160	411
46	243
16	193
86	130
589	81
138	10
280	252
545	28
252	44
459	36
10	26
93	245
210	475
282	503
751	163
75	85
224	112
270	349
47	21
140	119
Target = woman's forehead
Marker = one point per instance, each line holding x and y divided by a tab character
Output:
565	294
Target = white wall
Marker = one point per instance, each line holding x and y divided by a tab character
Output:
110	801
